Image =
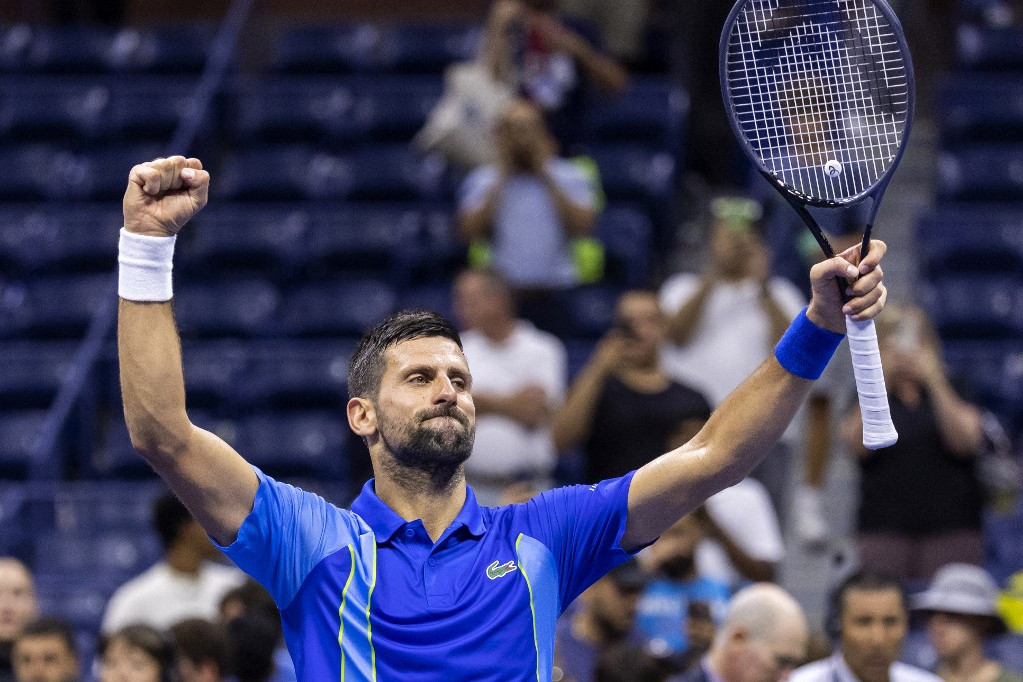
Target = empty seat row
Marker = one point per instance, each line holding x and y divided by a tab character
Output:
981	48
986	172
969	238
980	107
47	172
975	306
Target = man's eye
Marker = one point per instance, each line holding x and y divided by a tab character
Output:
458	383
417	379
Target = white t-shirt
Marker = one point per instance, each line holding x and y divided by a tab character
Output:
834	669
746	514
733	335
529	357
161	596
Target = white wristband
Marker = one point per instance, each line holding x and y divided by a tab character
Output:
145	263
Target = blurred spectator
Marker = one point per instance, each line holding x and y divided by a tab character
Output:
528	206
907	526
187	583
628	663
621	23
17	606
252	640
201	650
724	322
602	616
743	540
518	380
44	651
961	606
136	653
250	599
549	62
623	408
869	620
762	640
679	602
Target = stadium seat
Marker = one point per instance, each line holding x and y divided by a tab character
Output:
361	240
651	112
296	375
113	458
303	444
60	306
425	48
31	372
975	306
224	308
335	308
980	108
27	172
213	371
100	174
169	49
578	353
123	552
634	172
981	172
53	108
284	173
19	431
394	108
326	50
963	238
148	109
989	49
395	172
590	311
435	297
94	508
627	236
79	49
14	42
80	601
312	109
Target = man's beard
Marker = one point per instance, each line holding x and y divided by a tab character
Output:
421	450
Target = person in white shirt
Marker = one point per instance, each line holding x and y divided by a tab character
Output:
518	376
869	619
187	583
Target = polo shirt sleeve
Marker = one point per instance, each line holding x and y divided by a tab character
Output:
287	533
582	526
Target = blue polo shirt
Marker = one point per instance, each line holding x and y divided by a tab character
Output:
365	595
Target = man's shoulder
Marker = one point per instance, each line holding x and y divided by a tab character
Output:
903	672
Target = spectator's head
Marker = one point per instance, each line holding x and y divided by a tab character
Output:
17	598
870	620
737	247
522	137
252	640
610	603
44	651
961	606
763	638
178	531
201	649
247	599
627	663
674	553
638	318
136	653
483	301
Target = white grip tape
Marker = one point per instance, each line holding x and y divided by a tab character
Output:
144	267
878	430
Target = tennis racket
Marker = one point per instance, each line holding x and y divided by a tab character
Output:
820	95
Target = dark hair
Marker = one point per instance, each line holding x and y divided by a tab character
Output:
169	517
866	581
149	640
202	641
50	627
366	367
252	639
255	600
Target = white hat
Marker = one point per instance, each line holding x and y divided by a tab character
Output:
962	588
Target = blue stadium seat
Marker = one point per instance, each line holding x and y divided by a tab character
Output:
590	311
304	444
150	108
578	353
981	172
81	601
284	173
651	112
313	109
634	172
167	49
1003	552
15	496
53	108
990	49
95	508
14	43
27	172
234	307
31	372
426	48
102	173
361	240
336	308
975	306
114	458
297	375
964	238
122	552
60	306
213	372
394	108
627	235
19	431
263	240
325	49
78	49
395	172
435	297
980	107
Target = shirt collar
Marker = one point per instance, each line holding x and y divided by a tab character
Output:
385	522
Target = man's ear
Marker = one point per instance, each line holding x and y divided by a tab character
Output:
362	417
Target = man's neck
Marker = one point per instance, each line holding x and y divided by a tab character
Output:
436	506
499	331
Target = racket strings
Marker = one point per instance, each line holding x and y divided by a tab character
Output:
820	91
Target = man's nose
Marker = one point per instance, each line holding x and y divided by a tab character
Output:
446	392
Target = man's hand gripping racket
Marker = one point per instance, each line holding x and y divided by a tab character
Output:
820	95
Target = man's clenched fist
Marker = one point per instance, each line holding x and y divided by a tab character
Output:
164	194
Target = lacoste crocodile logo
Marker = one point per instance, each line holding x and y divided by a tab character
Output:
494	571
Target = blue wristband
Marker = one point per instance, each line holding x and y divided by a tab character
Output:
806	349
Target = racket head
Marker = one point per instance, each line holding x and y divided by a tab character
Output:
811	83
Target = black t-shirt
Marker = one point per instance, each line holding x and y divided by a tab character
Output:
632	428
917	486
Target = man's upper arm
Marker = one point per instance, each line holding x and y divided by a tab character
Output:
216	484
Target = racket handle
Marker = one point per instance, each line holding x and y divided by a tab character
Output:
878	430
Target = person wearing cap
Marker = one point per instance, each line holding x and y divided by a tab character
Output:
961	610
602	617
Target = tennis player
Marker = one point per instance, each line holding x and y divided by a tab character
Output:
417	581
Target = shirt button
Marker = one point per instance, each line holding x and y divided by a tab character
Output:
431	561
409	533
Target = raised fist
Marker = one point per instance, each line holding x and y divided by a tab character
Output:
163	195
